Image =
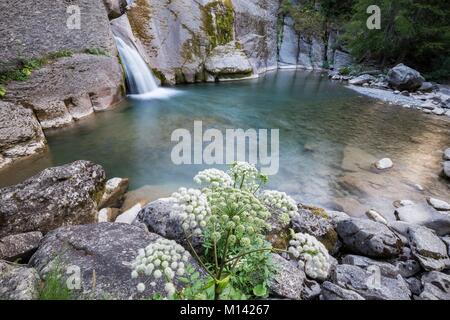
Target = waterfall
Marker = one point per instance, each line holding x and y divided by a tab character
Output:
140	79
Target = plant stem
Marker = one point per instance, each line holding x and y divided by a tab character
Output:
253	251
198	258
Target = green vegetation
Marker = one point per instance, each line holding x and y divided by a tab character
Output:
26	67
218	22
54	287
414	32
96	51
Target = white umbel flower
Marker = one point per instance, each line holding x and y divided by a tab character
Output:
161	260
192	209
311	255
213	178
280	205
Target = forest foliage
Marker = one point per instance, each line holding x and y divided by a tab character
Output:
415	32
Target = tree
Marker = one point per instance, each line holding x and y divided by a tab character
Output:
415	32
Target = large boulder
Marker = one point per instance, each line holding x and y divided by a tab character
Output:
425	216
18	282
104	253
55	197
369	238
228	62
19	246
428	248
158	217
369	284
70	88
20	133
290	282
436	286
402	77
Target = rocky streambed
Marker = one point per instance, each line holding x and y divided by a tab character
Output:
52	220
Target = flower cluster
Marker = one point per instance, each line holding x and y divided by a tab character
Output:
213	178
238	212
192	208
162	259
312	256
281	206
246	176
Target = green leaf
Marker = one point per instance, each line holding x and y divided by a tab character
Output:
260	290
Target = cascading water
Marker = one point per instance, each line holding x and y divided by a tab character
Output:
139	77
140	80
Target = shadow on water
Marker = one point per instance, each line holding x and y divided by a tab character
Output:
329	138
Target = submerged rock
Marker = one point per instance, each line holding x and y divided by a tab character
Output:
18	282
428	248
104	253
290	282
370	285
19	246
369	238
384	164
402	77
55	197
20	133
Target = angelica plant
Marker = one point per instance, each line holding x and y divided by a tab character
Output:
282	207
161	260
311	255
213	178
246	176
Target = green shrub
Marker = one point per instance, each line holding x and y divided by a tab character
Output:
345	71
96	51
54	287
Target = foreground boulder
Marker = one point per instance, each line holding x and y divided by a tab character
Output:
369	238
20	133
158	218
362	79
290	282
402	77
369	285
55	197
19	246
18	282
104	253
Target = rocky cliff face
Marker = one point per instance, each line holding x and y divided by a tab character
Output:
180	35
54	73
312	53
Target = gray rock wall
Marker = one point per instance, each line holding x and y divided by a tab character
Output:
34	28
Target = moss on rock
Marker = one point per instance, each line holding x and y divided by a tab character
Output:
218	22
